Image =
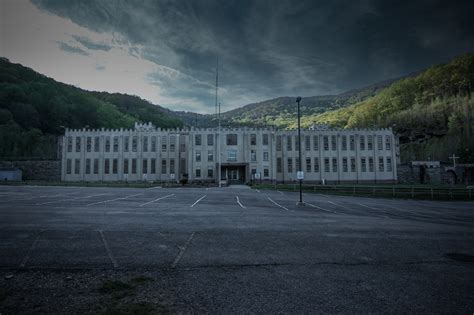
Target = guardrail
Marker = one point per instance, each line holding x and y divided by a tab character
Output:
434	193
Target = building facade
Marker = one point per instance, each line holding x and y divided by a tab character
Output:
146	153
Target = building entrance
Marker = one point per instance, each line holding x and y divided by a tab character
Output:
234	174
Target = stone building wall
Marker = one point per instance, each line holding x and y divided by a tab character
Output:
410	174
49	170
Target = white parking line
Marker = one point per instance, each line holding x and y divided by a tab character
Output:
360	204
342	206
147	203
110	200
278	204
281	193
182	250
69	199
240	204
33	246
107	249
320	208
198	200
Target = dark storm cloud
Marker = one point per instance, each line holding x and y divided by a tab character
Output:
86	42
272	48
72	49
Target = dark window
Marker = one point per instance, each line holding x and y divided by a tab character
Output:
345	166
172	166
265	172
316	143
344	143
326	143
145	144
279	166
163	166
389	164
369	143
363	165
210	139
89	144
134	143
153	166
126	142
371	164
352	143
307	143
362	142
334	165
253	139
115	144
198	156
106	166
265	139
210	172
231	139
379	142
107	144
316	165
278	144
353	164
77	166
88	166
69	144
198	172
153	144
333	143
125	166
96	144
145	166
164	143
290	165
381	165
78	144
68	166
326	165
197	139
388	144
114	166
134	166
289	145
210	156
308	165
96	166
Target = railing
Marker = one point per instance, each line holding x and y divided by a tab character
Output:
412	192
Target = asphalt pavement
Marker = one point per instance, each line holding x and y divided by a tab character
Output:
233	250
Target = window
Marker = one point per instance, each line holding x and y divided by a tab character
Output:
231	139
381	165
389	164
290	165
107	144
145	144
198	172
89	145
210	156
265	172
371	164
197	139
297	163
134	166
77	166
388	144
265	139
231	155
198	156
363	165
172	170
316	165
253	156
353	164
78	144
134	143
210	139
253	139
107	166
333	143
345	167
163	166
379	143
96	144
307	143
315	143
326	143
172	143
362	142
145	166
265	156
164	143
326	165
115	144
278	144
126	142
369	142
308	165
114	166
69	144
334	165
88	166
279	165
289	145
153	144
297	143
210	172
153	166
68	165
344	143
352	143
96	166
182	147
125	166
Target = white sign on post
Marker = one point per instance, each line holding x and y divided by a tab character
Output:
257	175
300	175
172	176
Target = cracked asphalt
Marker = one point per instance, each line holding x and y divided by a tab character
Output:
233	250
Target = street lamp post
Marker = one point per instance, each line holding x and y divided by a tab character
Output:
298	100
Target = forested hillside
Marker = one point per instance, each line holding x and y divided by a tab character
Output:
433	112
34	109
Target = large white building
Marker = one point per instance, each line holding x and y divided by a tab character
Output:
146	153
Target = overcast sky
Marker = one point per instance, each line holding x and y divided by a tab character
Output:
165	51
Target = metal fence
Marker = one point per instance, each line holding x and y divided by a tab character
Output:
435	193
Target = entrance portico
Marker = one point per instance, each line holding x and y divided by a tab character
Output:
235	173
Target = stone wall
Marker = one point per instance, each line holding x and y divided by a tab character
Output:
49	170
408	174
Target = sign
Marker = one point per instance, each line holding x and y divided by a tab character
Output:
172	176
257	175
300	175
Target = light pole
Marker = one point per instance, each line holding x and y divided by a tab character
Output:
298	100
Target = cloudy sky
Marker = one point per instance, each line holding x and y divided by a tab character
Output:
165	51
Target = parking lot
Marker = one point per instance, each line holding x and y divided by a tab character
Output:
233	250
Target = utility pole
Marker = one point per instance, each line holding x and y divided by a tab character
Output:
218	113
300	173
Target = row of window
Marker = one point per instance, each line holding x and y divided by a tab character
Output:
149	143
111	166
346	142
331	165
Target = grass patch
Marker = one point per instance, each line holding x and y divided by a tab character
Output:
110	287
130	308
